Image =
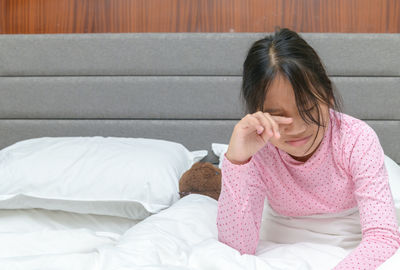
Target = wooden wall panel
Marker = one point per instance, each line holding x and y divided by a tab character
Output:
99	16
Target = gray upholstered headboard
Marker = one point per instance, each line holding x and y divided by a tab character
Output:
182	87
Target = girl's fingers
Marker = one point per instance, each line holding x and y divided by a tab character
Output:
282	119
274	125
254	124
265	122
261	122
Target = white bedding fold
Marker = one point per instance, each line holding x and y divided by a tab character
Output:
33	220
53	242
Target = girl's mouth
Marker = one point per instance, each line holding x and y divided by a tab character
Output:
299	142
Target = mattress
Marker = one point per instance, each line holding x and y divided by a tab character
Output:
183	236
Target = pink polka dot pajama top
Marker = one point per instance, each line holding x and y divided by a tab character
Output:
347	170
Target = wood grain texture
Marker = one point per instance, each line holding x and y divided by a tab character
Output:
101	16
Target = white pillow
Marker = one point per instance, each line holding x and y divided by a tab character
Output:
126	177
392	167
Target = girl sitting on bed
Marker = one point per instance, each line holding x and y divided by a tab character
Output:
299	151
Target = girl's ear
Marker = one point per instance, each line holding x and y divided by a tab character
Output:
331	103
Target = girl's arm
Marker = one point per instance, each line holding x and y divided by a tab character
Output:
240	205
380	235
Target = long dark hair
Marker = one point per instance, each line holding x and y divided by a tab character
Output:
287	54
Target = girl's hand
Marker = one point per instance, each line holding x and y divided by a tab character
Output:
251	133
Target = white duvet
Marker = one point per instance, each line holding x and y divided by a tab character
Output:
183	236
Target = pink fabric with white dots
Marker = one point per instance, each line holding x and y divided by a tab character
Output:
347	170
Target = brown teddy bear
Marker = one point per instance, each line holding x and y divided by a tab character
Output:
202	178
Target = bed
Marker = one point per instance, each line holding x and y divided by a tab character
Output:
180	91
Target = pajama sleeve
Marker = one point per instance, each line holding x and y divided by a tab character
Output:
380	234
240	205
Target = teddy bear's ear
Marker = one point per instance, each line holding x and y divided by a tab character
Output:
186	181
197	165
211	166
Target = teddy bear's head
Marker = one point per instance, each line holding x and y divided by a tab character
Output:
202	178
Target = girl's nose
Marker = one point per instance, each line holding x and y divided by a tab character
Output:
295	128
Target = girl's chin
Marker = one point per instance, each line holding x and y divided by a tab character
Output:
298	152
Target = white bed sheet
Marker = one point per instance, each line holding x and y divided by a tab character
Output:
183	236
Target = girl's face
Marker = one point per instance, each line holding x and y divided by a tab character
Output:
280	101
